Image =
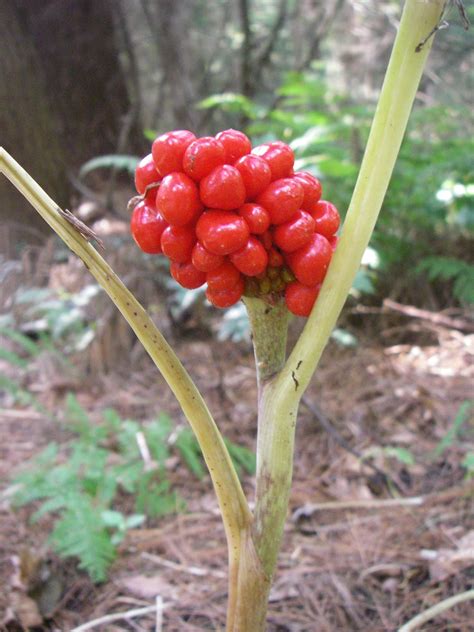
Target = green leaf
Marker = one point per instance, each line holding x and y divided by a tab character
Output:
230	102
344	337
402	454
111	161
468	462
453	432
28	345
242	457
187	445
80	534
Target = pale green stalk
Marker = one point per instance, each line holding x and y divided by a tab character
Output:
386	135
235	512
279	399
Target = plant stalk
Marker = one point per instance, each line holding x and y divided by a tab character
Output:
280	391
236	515
388	128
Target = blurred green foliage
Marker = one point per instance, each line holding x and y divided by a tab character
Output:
428	214
80	483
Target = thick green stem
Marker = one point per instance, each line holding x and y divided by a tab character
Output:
386	135
280	393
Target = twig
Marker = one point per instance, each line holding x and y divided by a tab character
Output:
190	570
384	503
339	439
437	319
438	608
117	616
159	614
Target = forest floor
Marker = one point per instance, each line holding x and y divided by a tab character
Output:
358	564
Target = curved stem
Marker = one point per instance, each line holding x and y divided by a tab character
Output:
235	511
386	135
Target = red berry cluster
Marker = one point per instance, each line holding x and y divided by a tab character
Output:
236	218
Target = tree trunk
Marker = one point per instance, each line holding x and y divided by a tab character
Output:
29	132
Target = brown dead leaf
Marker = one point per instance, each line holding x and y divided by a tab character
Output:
144	587
447	562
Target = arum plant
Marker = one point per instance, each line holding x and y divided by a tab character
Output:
254	538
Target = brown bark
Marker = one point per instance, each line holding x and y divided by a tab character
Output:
28	130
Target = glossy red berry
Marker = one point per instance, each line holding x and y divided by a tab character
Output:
222	232
311	187
333	242
178	199
202	156
301	298
326	218
204	260
223	188
282	198
267	240
295	233
275	258
187	275
236	144
224	277
147	226
177	243
279	156
168	150
252	259
145	174
257	217
256	174
228	297
309	263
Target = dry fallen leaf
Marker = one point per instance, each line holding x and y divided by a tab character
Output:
145	587
446	562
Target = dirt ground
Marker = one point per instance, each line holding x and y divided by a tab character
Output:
358	564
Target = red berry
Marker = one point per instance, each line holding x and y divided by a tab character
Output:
282	198
275	258
309	263
236	144
252	259
226	298
223	188
202	156
222	232
223	278
204	260
333	241
168	150
279	156
147	226
256	216
256	174
145	174
178	199
187	275
311	187
301	298
326	218
295	233
177	243
267	240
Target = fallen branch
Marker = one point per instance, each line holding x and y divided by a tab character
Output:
433	317
119	616
384	503
435	610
